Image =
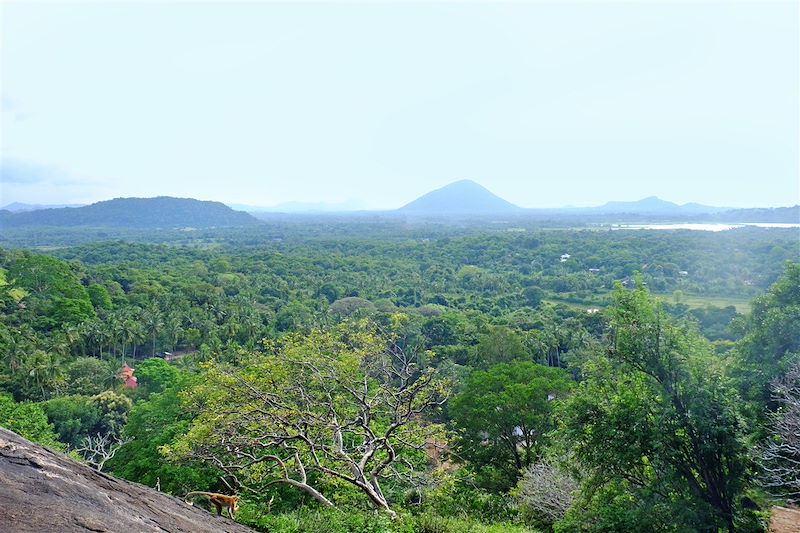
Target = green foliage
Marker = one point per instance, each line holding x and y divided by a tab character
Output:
8	293
56	294
336	521
771	342
619	507
113	410
35	374
475	296
500	345
73	418
715	322
655	424
533	296
351	305
503	416
99	296
451	335
456	495
329	291
432	523
88	376
293	316
27	420
152	424
343	403
323	521
156	375
68	311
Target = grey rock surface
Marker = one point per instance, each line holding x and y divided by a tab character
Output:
44	491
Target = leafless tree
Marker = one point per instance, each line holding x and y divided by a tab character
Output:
99	449
780	454
545	492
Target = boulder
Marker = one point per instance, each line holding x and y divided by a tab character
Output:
45	491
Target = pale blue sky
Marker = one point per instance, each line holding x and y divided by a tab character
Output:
546	104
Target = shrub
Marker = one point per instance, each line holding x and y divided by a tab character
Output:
545	493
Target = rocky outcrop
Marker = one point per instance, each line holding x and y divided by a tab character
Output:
43	491
784	520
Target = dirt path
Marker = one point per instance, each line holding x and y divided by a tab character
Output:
784	520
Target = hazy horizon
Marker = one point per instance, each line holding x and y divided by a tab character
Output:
544	104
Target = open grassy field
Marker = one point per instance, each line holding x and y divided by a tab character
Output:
742	305
600	300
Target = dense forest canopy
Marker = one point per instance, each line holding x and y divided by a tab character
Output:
454	377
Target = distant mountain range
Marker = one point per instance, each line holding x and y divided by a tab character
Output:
302	207
18	207
159	212
467	198
653	204
460	200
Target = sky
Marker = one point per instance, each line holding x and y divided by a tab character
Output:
546	104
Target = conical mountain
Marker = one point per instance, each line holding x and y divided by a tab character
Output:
464	197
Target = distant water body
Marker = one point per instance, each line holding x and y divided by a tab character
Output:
703	227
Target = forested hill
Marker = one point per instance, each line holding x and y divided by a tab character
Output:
653	204
159	212
463	197
784	215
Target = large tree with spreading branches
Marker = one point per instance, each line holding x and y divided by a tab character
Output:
346	403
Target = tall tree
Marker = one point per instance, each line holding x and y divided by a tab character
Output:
657	419
503	416
345	404
771	340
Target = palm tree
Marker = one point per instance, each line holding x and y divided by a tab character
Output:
119	333
45	370
130	330
137	332
72	336
552	336
153	323
175	328
106	336
59	344
88	336
18	346
98	331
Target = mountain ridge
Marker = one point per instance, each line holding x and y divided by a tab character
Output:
654	204
20	207
156	212
459	199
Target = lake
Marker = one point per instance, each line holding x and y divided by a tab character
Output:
704	227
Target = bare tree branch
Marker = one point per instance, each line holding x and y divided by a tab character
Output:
97	450
779	455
